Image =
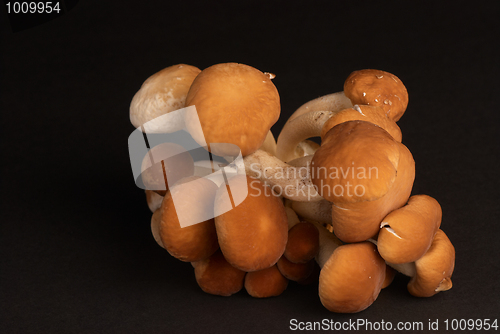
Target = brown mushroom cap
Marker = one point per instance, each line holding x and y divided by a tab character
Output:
377	88
165	164
252	235
161	93
407	233
390	273
236	104
194	198
268	282
303	243
434	269
216	276
357	162
372	114
295	271
354	222
351	278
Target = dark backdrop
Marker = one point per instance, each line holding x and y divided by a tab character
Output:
77	255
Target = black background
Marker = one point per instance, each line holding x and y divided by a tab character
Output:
77	255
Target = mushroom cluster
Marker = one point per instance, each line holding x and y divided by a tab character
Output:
339	214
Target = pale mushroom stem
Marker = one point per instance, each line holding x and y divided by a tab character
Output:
292	182
269	144
319	211
308	121
328	242
327	102
306	126
292	217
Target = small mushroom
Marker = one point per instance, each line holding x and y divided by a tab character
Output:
365	173
160	94
253	234
372	114
352	275
303	243
216	276
432	272
407	233
377	88
153	199
295	271
264	283
186	229
236	104
434	269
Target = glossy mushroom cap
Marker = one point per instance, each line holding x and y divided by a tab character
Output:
377	88
372	114
252	235
434	269
216	276
407	233
366	173
162	93
352	278
165	164
354	222
265	283
303	243
357	162
236	104
194	200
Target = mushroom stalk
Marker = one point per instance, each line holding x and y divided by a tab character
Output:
307	122
303	127
293	182
333	101
319	211
328	242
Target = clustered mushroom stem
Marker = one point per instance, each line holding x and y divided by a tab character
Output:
308	122
303	127
292	182
328	242
319	211
335	101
